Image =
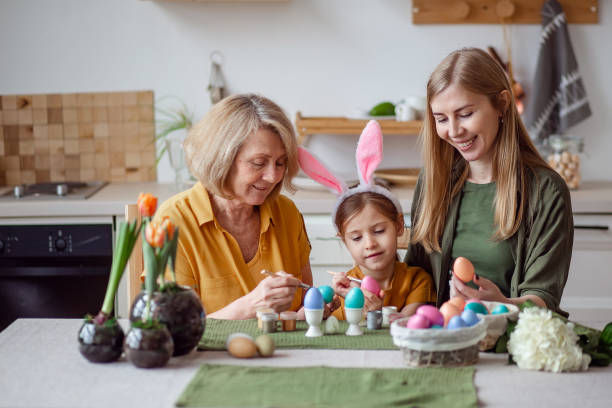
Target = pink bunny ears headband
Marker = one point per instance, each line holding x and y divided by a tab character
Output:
369	155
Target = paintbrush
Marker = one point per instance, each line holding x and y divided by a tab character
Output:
348	277
266	272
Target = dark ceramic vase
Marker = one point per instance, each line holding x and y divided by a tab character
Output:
101	343
149	348
180	309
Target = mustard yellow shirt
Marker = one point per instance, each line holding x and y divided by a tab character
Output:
209	258
409	284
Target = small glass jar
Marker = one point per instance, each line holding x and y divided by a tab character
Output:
564	158
288	320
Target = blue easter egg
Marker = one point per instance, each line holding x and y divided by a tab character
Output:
327	292
313	299
476	307
469	317
456	322
354	299
499	309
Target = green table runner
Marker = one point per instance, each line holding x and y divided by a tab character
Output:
217	331
319	386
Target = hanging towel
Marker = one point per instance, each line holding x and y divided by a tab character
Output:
558	99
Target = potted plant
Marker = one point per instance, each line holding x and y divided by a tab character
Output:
101	337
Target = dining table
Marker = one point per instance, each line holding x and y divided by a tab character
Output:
40	366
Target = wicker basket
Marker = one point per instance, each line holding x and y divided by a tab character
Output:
438	347
496	323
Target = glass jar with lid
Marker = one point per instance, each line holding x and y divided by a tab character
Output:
564	158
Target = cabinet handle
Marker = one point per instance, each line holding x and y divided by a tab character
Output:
592	227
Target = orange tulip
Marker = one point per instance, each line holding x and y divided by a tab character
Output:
167	225
147	203
154	234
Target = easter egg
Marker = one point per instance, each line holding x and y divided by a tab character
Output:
369	283
456	322
469	317
431	313
354	299
313	299
449	310
327	292
265	345
436	326
463	269
476	307
458	301
332	325
417	321
241	345
499	309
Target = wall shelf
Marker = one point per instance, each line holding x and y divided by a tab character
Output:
344	126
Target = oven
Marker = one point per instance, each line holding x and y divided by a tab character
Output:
53	266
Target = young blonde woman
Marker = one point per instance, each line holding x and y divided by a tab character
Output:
485	193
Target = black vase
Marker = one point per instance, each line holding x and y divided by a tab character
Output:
180	309
101	343
149	348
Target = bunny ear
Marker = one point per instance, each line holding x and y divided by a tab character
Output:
369	151
316	171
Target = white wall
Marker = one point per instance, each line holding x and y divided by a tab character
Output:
322	57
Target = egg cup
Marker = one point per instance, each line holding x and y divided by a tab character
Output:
314	317
353	317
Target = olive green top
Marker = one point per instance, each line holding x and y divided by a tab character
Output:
474	236
541	248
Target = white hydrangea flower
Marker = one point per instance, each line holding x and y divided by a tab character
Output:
542	342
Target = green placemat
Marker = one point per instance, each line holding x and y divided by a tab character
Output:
217	331
295	387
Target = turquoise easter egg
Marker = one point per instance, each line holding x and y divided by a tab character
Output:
476	307
327	292
354	299
436	326
469	317
313	299
499	309
456	322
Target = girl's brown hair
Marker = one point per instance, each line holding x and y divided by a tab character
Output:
357	202
445	170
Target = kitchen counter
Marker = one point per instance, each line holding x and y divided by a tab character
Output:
40	366
592	197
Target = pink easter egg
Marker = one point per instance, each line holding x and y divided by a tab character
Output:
370	284
417	321
432	314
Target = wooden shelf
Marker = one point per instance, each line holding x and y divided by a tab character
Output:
344	126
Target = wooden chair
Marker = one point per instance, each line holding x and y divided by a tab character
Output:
135	264
404	240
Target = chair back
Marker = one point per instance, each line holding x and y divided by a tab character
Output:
404	240
135	264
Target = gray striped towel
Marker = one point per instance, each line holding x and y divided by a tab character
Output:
558	99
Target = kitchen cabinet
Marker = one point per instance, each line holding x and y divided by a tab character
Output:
344	126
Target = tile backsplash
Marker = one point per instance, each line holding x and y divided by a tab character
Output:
105	136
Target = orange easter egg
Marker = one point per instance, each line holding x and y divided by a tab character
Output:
458	301
463	269
449	310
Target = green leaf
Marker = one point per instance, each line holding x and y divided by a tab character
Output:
606	335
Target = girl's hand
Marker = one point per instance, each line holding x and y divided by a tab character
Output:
274	292
341	284
371	301
487	290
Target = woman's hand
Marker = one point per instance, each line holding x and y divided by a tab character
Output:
274	292
341	284
487	290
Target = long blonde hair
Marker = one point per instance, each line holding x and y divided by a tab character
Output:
445	170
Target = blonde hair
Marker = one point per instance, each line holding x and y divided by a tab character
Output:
213	143
445	170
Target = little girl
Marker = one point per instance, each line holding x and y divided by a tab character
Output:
369	219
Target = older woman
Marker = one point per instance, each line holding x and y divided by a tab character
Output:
485	193
233	222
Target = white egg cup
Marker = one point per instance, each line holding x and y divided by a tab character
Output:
314	317
353	317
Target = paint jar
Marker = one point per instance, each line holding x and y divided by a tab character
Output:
374	319
386	311
269	322
259	312
288	320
